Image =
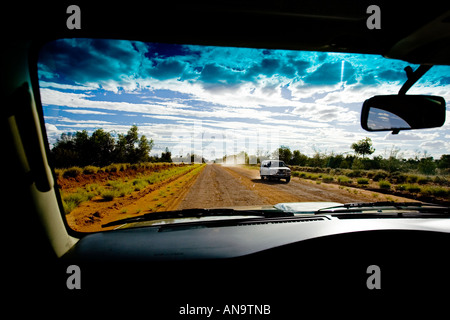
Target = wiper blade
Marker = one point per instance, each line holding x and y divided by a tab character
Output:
198	213
385	205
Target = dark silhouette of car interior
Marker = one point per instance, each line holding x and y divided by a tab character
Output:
263	261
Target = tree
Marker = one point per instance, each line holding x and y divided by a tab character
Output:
363	147
63	153
298	159
100	149
284	154
166	156
130	148
444	161
427	166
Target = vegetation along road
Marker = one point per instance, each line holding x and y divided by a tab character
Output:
191	186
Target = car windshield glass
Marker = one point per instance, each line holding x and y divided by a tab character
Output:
135	128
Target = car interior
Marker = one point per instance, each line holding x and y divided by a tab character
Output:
294	265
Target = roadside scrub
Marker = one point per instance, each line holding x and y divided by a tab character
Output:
407	184
120	187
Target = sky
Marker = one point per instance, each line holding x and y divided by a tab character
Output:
216	101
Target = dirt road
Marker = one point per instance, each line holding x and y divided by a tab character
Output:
212	186
223	186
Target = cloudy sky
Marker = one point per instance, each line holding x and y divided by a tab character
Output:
216	100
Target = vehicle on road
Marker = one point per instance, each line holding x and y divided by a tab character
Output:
275	170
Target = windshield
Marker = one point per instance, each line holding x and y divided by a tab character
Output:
135	128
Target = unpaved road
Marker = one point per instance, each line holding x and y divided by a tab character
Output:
225	186
216	186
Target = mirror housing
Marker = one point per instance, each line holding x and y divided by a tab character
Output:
402	112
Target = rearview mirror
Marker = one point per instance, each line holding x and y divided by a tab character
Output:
402	112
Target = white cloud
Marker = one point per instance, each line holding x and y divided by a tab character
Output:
76	111
437	144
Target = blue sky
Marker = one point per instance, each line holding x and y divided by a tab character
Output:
216	100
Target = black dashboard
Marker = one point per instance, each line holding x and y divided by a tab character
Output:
280	264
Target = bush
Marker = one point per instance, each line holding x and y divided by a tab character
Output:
344	180
362	181
72	172
295	173
412	178
441	181
139	184
436	191
398	177
90	170
384	184
423	180
73	200
354	173
327	179
111	168
413	188
380	175
109	195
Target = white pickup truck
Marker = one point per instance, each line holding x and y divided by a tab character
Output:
275	169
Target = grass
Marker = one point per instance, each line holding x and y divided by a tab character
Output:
362	181
344	180
72	200
383	184
120	187
436	191
407	183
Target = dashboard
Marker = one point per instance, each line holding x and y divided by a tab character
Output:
290	266
238	238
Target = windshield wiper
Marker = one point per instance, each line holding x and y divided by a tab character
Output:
199	213
383	206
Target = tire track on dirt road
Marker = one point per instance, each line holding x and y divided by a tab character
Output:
299	190
225	186
215	187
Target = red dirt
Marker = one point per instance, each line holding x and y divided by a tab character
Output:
214	186
101	177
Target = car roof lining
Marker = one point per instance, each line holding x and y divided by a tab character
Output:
329	26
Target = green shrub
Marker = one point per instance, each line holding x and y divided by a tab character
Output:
344	180
354	173
327	179
384	184
109	195
413	188
59	173
436	191
72	200
313	176
72	172
423	180
90	170
111	168
139	184
397	177
295	173
441	181
362	181
380	175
